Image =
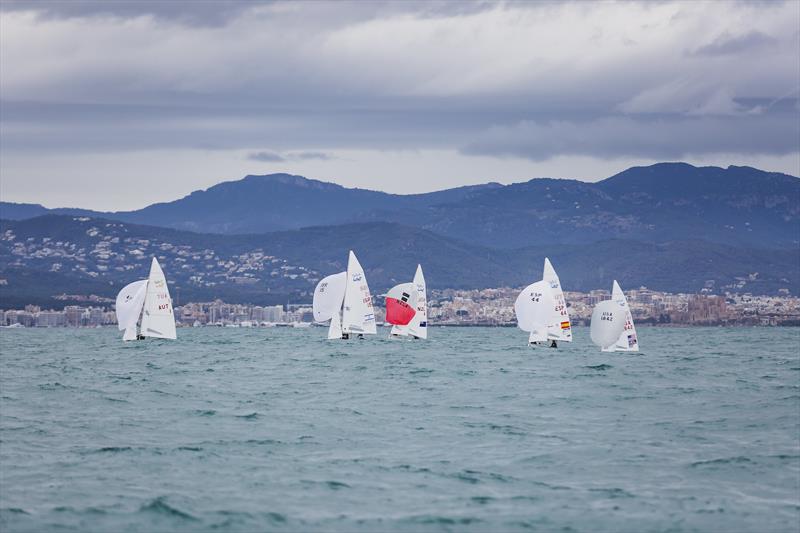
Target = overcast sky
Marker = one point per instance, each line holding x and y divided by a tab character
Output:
115	105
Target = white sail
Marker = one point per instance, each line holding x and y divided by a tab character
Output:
130	334
158	319
608	321
533	309
560	328
358	315
130	301
538	335
418	327
628	341
335	329
328	296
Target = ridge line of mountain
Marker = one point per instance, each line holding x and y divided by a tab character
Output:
299	179
739	206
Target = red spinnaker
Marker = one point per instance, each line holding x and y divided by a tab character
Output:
398	312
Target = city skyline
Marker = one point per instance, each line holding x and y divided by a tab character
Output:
477	307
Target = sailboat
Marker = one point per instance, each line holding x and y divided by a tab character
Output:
628	341
345	300
542	310
407	308
534	310
612	324
560	329
144	307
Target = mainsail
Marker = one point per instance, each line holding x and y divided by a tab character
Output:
158	319
608	321
358	315
418	327
628	340
560	328
533	309
130	301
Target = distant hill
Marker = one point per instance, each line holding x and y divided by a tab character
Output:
55	254
738	206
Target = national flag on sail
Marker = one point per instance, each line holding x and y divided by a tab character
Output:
565	325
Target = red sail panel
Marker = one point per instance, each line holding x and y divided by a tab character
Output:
398	312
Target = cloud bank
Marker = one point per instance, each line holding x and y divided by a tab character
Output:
308	80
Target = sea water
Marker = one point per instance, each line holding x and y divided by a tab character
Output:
281	430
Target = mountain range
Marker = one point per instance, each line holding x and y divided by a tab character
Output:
268	239
659	203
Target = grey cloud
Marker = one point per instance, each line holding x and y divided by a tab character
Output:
267	157
189	12
304	156
727	44
217	13
300	77
660	138
274	157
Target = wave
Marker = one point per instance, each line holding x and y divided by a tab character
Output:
110	449
599	367
739	459
160	506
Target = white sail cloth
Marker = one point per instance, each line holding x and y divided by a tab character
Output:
418	327
130	301
328	296
560	327
628	341
608	322
158	319
358	315
533	309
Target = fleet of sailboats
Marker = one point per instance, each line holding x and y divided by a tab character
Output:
144	309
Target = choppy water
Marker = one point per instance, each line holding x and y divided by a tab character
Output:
278	429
